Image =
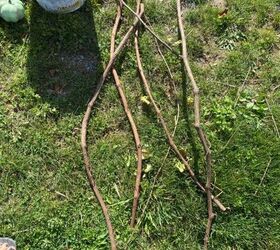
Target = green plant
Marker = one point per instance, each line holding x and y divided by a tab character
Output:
265	39
252	107
230	38
222	115
276	21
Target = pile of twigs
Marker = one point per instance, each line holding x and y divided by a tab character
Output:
134	30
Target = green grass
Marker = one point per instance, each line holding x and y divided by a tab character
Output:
49	65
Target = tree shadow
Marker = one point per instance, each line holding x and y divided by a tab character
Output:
64	60
14	33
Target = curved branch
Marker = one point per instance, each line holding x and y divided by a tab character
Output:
129	117
85	122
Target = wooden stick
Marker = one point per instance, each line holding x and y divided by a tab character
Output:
200	132
85	122
150	30
169	137
264	174
273	119
240	89
167	66
165	62
129	117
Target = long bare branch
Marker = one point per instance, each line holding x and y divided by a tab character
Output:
129	117
163	123
197	125
85	122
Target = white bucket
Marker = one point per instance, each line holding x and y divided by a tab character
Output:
61	6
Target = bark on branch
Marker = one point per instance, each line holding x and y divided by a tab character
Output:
163	123
85	122
129	116
197	125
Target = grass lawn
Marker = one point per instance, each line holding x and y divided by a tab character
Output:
49	65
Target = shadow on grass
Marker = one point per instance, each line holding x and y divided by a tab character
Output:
64	59
14	33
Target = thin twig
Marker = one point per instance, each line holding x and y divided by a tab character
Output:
240	89
273	119
275	88
169	136
174	89
229	85
166	64
85	122
264	174
216	187
150	30
61	194
129	117
163	57
197	125
231	137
